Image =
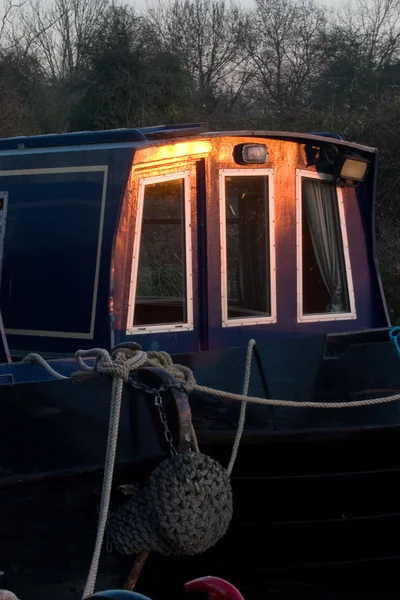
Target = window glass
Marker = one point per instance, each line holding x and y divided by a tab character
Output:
247	246
325	288
161	279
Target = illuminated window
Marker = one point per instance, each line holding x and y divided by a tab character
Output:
324	274
161	275
248	258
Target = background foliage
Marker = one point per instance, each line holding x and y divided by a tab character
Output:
285	64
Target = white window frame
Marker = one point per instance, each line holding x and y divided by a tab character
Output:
223	173
164	327
314	318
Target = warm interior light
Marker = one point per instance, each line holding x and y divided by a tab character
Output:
354	169
170	151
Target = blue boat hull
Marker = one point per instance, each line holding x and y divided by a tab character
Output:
313	488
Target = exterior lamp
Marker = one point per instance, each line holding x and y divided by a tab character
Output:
351	169
250	154
348	169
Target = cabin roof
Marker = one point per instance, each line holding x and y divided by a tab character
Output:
143	135
111	136
295	136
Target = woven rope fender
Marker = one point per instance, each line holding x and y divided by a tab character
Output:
184	509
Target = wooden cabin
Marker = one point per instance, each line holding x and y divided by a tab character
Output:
185	240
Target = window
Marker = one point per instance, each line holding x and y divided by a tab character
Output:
325	289
247	247
161	298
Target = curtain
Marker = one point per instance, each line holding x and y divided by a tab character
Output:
320	203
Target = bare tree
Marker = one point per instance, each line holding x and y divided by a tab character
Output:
376	24
10	16
58	33
362	57
284	47
206	35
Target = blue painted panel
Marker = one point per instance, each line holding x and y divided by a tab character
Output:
50	250
173	343
327	134
111	136
54	246
20	372
366	193
69	139
56	251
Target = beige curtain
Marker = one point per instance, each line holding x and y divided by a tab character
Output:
320	203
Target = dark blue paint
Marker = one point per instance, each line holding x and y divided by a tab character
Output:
72	139
171	342
379	295
118	595
58	262
327	134
170	128
19	372
112	136
50	249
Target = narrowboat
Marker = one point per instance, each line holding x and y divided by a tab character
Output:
225	253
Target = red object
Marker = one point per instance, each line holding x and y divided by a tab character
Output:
216	588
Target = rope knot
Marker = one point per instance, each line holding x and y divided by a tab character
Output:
121	362
162	360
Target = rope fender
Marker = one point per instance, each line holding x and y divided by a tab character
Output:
185	508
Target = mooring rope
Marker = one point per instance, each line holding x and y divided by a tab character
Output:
242	414
119	366
185	374
39	360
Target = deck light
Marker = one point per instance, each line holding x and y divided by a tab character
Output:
352	169
250	154
348	168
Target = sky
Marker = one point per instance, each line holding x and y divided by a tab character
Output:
246	3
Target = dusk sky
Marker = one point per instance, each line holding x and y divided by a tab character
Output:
140	4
